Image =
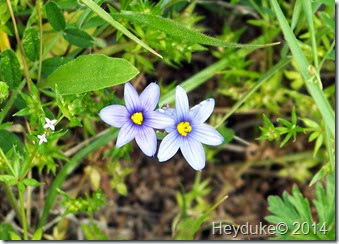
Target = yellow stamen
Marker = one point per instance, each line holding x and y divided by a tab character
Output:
137	118
183	128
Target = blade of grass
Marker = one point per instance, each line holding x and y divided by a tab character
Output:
329	148
105	16
202	218
207	73
102	139
307	7
296	14
311	82
180	31
279	66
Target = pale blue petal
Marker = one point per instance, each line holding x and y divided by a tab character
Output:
158	120
114	115
201	112
169	146
171	128
132	100
171	112
126	134
193	152
182	106
150	97
146	140
206	134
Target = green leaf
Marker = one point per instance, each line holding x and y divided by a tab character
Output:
295	208
105	16
51	64
5	229
55	16
14	236
10	68
320	174
37	235
202	218
8	140
180	31
31	44
122	189
8	179
78	37
89	73
227	133
31	182
312	84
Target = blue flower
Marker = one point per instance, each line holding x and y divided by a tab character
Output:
189	131
138	119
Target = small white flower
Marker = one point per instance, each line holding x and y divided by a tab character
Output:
50	123
42	138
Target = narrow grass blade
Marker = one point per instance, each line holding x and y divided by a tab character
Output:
311	82
207	73
180	31
105	16
296	14
307	7
279	66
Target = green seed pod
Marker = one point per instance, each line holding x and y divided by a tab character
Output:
3	91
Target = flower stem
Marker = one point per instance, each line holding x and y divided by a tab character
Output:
23	214
12	200
27	165
19	44
40	28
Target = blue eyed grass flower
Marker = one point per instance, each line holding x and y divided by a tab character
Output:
189	131
137	119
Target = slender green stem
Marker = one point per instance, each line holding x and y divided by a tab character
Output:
19	44
41	48
326	55
279	66
329	147
23	214
307	6
28	164
12	200
7	163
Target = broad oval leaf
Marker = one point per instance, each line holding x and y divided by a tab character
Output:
180	31
51	64
31	44
89	73
10	68
55	16
78	37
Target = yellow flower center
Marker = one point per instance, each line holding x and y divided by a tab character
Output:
183	128
137	118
